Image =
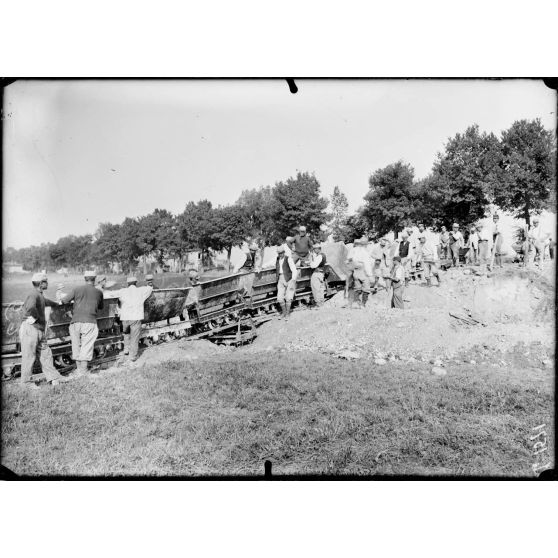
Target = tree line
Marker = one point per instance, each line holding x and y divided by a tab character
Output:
475	169
264	215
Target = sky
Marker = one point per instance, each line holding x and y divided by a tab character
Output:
78	153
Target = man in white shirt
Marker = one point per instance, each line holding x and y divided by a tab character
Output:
455	243
473	246
538	238
497	239
132	313
428	256
317	282
483	240
286	281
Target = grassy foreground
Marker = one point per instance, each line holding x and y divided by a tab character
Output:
307	413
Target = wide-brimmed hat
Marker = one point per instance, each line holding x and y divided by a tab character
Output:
132	279
302	228
317	246
281	249
38	277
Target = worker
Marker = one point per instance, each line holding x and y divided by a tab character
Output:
32	335
248	262
497	239
317	281
397	278
427	256
286	282
290	249
444	243
484	239
88	301
455	244
302	246
403	250
358	259
376	257
131	314
473	247
149	281
192	277
538	238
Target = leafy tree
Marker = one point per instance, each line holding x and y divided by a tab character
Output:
156	235
231	227
356	226
260	208
339	211
106	248
72	251
128	249
298	203
389	201
528	177
466	175
196	225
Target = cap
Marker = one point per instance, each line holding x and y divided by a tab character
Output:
90	273
253	246
281	249
356	242
289	239
149	277
301	229
131	279
455	225
38	277
496	216
318	245
101	278
422	236
405	234
364	240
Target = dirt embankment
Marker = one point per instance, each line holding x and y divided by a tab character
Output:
511	306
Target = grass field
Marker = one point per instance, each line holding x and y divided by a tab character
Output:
307	413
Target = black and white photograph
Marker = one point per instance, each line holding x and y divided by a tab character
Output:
303	278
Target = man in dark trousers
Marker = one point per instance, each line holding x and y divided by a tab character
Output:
317	282
397	278
88	301
302	246
32	335
403	253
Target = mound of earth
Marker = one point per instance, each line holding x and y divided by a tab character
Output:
509	306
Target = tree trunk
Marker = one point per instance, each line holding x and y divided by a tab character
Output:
229	250
144	265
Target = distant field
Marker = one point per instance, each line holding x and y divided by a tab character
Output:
16	286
